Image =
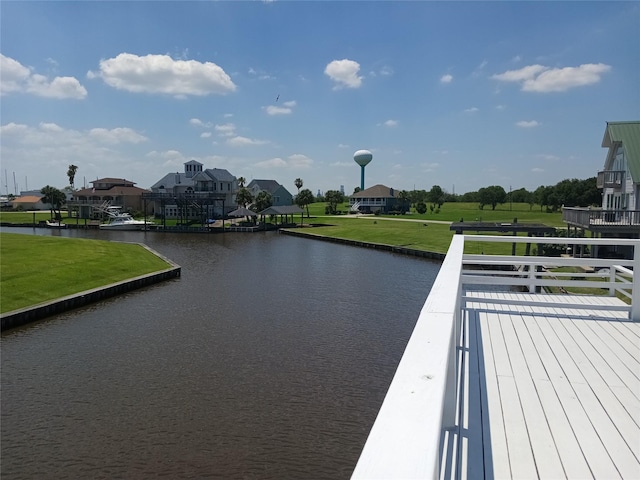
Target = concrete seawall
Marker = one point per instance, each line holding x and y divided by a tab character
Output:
378	246
33	313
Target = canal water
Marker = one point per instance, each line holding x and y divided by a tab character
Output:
268	359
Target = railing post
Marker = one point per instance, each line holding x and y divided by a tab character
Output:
532	278
613	272
635	294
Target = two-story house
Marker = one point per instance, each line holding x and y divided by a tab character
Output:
114	192
279	195
378	198
619	214
194	193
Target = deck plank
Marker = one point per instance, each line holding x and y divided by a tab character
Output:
547	461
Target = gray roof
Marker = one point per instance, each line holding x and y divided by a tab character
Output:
242	212
377	191
170	180
264	185
220	174
282	210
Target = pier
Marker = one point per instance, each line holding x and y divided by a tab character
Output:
513	383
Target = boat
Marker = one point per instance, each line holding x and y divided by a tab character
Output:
55	224
124	221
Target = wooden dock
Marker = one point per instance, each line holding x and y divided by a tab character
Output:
497	383
546	392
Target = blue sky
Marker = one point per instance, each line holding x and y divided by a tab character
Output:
457	94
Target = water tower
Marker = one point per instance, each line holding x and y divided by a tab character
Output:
362	158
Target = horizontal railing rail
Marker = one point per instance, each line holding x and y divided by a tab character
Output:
418	412
593	217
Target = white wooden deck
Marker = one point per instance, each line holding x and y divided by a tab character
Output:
545	391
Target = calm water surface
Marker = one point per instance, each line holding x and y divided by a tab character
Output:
268	358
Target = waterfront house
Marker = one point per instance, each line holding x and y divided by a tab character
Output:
279	195
194	193
107	192
378	198
29	201
619	214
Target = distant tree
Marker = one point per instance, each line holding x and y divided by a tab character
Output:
333	198
418	196
71	173
436	195
241	182
356	190
56	198
404	201
541	195
263	201
244	197
421	207
298	183
492	195
470	197
304	198
519	196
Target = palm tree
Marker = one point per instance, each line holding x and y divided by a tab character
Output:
55	198
298	183
304	198
71	173
241	182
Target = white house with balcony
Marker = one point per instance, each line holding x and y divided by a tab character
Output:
195	193
378	198
619	214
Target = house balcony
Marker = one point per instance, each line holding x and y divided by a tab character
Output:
499	381
610	179
603	221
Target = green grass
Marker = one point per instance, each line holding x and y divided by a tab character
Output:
35	269
26	217
435	237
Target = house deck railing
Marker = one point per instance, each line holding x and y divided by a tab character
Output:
596	217
419	408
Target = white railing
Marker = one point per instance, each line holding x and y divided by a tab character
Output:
417	415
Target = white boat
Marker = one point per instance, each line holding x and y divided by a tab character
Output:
124	221
54	224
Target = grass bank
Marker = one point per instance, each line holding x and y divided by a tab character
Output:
35	269
428	232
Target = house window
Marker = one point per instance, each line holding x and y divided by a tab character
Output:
215	185
228	187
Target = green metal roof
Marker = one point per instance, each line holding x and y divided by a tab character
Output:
628	133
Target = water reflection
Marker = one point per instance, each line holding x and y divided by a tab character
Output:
268	358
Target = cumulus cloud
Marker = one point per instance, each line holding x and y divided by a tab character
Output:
446	78
196	122
239	141
537	170
471	110
205	135
344	73
164	75
49	147
527	123
539	78
296	160
226	130
117	135
17	78
285	109
390	123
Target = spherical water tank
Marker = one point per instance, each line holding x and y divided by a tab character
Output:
363	157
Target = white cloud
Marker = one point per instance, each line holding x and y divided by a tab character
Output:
205	135
275	110
539	78
446	78
196	122
18	78
344	73
343	145
226	130
391	123
471	110
162	74
239	141
296	160
537	170
117	135
430	167
528	124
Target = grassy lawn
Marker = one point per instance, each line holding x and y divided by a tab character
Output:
34	269
434	237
